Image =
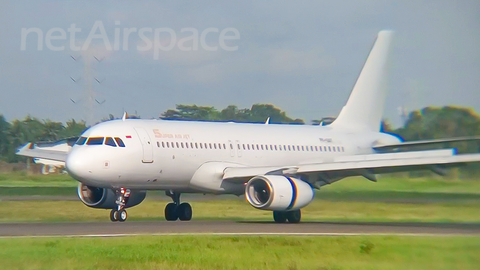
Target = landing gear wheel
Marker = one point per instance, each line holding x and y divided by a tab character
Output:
279	216
184	212
122	215
294	216
114	215
171	212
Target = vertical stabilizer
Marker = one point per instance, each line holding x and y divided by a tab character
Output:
364	108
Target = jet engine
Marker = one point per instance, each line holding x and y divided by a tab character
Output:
105	198
278	193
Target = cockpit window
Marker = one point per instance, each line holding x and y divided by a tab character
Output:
95	141
81	141
119	142
110	142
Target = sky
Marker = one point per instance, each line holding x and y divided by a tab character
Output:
303	57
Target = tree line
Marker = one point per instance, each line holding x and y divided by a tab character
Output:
424	124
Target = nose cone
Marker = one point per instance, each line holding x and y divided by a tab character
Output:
77	165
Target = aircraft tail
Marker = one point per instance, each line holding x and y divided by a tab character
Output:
364	108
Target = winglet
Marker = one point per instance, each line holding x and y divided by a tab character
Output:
268	121
124	116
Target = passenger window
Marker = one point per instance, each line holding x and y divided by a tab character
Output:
95	141
231	146
158	144
110	142
81	141
215	145
119	142
329	149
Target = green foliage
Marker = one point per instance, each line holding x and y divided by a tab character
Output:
258	113
437	123
30	129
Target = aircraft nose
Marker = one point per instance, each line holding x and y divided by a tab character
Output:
77	166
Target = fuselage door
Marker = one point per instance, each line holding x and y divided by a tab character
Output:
232	148
146	145
239	148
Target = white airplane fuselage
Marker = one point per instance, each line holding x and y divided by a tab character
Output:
165	155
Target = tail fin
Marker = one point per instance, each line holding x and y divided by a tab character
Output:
364	108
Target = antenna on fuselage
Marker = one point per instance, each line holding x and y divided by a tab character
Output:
268	121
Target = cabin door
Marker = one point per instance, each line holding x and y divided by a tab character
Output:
147	145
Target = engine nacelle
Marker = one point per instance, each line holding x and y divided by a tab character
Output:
278	193
105	198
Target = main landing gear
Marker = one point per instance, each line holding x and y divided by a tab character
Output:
177	210
120	214
291	216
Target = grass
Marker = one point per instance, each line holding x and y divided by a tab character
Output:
242	252
353	199
23	179
319	210
387	189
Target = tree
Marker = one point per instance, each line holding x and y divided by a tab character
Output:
4	136
73	129
258	113
191	112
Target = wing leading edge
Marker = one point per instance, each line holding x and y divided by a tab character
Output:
363	165
28	150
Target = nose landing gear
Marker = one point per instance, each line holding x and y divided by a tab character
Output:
177	210
120	214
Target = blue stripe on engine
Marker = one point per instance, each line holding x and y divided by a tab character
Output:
294	193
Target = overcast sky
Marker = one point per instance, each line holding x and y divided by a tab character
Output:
301	56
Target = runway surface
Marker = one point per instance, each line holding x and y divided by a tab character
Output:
106	229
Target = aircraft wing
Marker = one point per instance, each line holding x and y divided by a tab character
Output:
405	145
28	150
363	165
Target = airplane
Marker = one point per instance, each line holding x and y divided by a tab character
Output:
276	167
52	166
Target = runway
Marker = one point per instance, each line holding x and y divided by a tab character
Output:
106	229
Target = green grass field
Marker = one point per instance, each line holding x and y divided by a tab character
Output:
242	252
354	199
319	210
